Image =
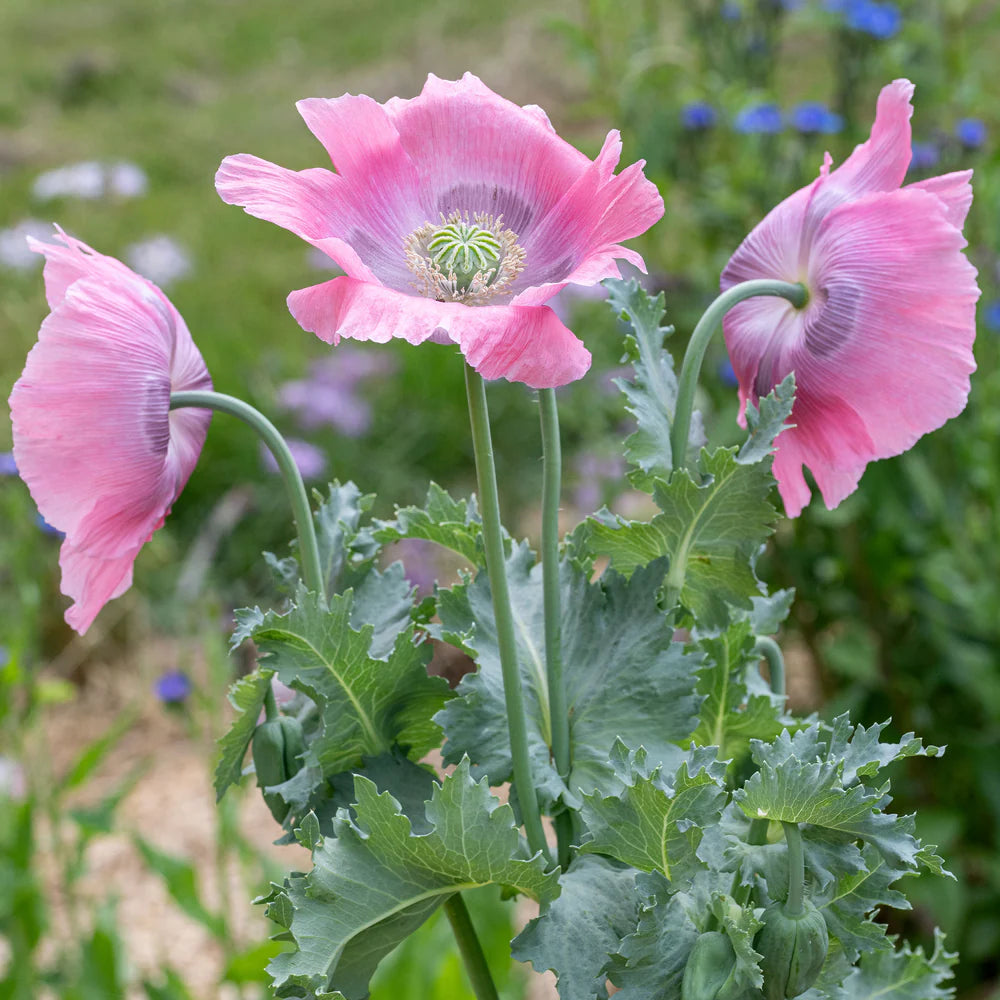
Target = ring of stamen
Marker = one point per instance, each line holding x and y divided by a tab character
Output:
463	261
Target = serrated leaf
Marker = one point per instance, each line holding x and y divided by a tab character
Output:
710	531
766	423
848	904
366	705
577	933
247	697
383	600
730	717
740	925
650	962
376	882
338	533
797	792
903	974
655	823
619	661
651	397
455	524
769	612
862	755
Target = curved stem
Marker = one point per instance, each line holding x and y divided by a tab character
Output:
796	869
470	948
308	548
694	355
489	501
771	652
558	710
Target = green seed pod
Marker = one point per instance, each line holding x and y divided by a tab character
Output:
276	746
711	969
793	948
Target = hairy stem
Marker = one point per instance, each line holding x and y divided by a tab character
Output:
694	355
470	948
558	710
269	434
489	501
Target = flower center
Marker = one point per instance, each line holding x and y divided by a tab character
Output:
463	261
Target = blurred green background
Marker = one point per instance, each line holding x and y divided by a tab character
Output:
732	105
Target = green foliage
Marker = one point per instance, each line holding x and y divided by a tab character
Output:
620	663
365	705
376	881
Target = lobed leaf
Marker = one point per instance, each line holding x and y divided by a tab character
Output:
376	881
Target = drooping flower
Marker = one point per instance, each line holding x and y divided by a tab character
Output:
882	349
455	216
94	438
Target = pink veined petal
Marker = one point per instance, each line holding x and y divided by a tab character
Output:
524	344
883	353
880	163
93	438
578	241
91	582
954	189
475	151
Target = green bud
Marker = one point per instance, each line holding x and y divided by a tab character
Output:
710	973
276	746
794	949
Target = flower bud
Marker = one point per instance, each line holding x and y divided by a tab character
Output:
794	949
711	970
277	744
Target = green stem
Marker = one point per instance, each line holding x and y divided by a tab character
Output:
558	710
308	548
694	355
771	652
470	948
496	570
796	869
756	835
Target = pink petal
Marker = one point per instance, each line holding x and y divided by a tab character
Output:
519	343
880	164
954	189
578	240
92	582
93	437
882	352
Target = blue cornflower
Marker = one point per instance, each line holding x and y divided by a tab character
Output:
727	376
172	687
971	132
924	155
731	11
762	118
881	20
990	315
811	116
8	467
698	115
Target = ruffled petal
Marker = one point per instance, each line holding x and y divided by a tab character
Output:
883	351
880	164
93	436
475	151
519	343
91	582
954	189
578	240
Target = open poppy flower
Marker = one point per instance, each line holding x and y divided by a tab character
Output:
882	349
455	215
94	437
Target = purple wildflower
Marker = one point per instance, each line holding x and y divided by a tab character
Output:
971	132
762	119
698	116
811	117
172	687
311	461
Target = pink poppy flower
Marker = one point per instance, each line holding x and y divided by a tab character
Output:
455	215
882	350
94	438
